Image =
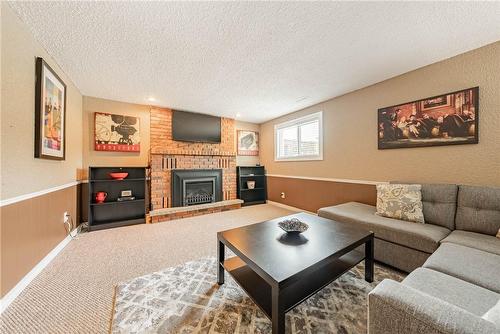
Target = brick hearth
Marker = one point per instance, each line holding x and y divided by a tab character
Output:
167	155
194	210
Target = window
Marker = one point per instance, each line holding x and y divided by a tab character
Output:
299	139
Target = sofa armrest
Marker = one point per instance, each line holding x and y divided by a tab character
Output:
396	308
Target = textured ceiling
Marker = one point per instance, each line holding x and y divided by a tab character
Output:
257	59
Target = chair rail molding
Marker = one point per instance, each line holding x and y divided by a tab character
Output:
24	197
328	179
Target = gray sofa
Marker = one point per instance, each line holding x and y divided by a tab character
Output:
454	261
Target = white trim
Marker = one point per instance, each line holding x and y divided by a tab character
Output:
289	207
301	158
24	197
317	115
26	280
328	179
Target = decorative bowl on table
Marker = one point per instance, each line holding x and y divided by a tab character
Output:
118	176
293	225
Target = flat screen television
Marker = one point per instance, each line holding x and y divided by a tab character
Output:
193	127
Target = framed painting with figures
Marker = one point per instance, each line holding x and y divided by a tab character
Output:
50	113
118	133
447	119
248	142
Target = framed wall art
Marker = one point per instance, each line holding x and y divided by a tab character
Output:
118	133
447	119
50	113
248	142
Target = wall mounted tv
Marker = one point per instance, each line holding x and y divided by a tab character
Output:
188	126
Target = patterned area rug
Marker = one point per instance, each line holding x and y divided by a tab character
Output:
186	299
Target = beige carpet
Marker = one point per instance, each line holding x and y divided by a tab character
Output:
74	294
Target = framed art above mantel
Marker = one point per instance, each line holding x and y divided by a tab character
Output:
117	133
447	119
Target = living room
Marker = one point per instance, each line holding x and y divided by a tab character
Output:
250	167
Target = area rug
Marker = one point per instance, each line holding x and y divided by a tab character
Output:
186	299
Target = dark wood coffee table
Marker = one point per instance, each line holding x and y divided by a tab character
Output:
279	271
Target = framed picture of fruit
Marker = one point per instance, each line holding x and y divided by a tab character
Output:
446	119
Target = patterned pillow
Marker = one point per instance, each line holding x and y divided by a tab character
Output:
400	201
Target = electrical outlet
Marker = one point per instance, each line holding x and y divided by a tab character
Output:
65	217
282	195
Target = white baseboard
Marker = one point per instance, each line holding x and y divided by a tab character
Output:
289	207
26	280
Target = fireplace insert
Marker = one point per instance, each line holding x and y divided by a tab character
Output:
196	186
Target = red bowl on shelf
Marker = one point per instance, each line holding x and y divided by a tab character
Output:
118	176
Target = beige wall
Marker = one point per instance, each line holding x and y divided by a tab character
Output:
31	228
242	160
21	172
101	158
350	128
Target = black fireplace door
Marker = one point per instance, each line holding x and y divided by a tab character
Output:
196	186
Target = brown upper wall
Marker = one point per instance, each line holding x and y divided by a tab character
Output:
350	128
21	172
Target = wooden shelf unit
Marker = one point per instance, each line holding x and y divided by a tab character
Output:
114	213
258	195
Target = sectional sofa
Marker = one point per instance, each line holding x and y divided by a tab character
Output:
454	260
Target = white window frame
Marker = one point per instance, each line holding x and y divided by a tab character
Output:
311	117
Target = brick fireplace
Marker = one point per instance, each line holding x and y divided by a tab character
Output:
168	156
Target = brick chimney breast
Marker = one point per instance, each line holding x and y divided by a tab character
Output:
167	154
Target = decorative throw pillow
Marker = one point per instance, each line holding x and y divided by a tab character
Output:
493	315
400	201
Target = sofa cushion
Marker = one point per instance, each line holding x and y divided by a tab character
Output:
478	209
404	258
479	241
397	308
467	296
493	315
468	264
423	237
439	203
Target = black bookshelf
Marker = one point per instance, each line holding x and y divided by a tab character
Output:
258	195
114	213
